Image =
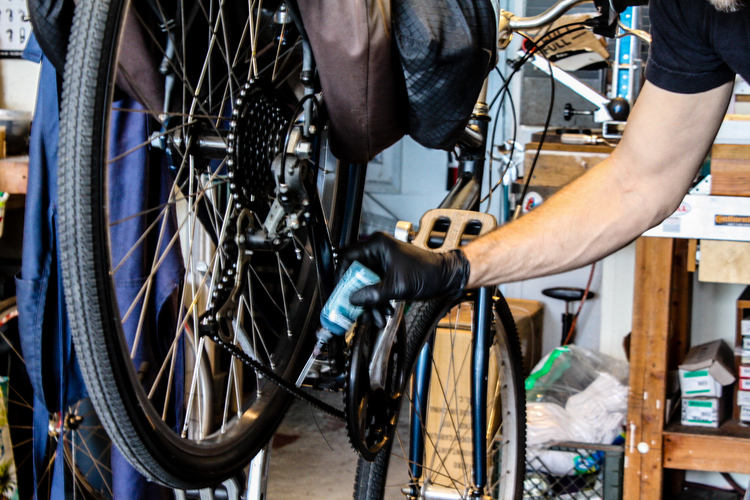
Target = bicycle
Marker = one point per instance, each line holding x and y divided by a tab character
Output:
85	445
245	196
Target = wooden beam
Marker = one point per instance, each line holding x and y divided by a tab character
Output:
660	300
723	450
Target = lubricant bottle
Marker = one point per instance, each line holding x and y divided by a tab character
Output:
338	314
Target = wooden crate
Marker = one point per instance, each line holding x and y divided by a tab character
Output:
560	164
730	170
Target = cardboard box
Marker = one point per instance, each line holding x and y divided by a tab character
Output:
744	413
529	318
743	398
745	371
744	384
706	368
699	383
702	412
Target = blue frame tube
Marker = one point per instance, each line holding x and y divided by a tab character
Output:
420	390
480	361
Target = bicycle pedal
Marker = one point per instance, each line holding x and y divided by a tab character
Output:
445	229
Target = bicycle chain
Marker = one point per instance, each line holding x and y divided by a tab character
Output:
233	350
257	141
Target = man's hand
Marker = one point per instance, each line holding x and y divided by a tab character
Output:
407	272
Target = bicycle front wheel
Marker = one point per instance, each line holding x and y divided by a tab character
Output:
174	118
444	468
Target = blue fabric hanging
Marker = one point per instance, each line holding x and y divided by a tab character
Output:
43	323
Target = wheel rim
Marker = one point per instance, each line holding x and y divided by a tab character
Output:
261	305
447	460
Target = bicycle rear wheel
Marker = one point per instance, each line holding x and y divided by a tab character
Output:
445	466
172	224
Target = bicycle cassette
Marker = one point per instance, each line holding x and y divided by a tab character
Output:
372	408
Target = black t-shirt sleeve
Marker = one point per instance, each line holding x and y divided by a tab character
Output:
681	57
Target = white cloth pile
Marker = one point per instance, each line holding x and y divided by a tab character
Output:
594	415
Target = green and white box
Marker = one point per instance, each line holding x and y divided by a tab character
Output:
699	383
701	412
706	369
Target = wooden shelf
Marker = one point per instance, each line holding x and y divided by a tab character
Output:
13	174
702	448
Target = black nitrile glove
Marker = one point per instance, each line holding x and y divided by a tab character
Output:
407	273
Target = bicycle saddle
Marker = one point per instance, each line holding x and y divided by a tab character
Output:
567	293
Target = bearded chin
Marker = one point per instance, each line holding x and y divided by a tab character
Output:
726	5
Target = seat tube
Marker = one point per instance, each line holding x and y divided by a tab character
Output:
353	209
420	391
480	360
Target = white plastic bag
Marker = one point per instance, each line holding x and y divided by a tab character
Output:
574	394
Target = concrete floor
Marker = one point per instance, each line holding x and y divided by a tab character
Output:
311	458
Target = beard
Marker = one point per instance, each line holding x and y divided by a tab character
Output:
727	5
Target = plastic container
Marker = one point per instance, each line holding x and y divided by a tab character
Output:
338	314
3	198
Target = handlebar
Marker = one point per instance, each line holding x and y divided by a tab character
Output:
509	22
543	19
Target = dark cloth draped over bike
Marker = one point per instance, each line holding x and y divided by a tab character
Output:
352	42
447	48
406	66
43	322
51	21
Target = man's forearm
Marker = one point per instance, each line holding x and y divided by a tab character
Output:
640	184
589	219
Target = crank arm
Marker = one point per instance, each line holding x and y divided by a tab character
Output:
383	345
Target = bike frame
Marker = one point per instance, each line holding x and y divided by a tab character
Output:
465	195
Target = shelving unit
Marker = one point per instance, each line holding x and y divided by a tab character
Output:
659	342
743	309
725	449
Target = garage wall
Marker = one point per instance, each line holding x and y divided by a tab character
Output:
18	82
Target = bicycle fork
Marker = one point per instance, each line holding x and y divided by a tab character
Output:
463	196
481	342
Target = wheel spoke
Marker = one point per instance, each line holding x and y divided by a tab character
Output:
157	263
283	293
192	392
